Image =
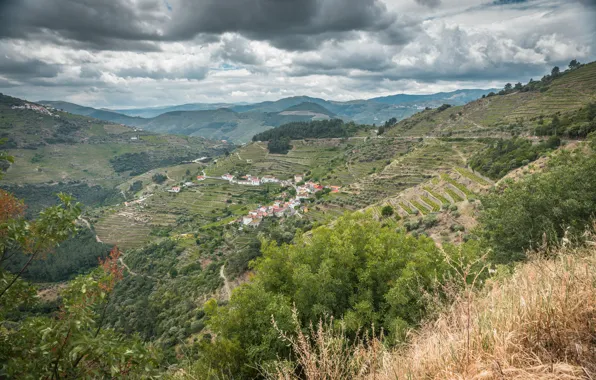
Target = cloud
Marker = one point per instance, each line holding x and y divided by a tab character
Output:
152	52
429	3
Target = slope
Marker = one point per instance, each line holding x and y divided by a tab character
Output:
502	115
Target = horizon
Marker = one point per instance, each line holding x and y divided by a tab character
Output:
147	53
116	108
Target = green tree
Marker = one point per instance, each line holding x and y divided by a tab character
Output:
360	270
387	211
555	72
574	64
541	208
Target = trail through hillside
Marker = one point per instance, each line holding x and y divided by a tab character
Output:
86	222
227	288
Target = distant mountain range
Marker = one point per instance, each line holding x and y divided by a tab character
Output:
239	122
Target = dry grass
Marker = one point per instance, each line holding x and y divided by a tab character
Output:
539	323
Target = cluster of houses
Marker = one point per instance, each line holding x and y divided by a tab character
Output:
34	107
248	180
279	209
289	208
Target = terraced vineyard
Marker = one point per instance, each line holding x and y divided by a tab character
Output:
437	198
498	116
420	164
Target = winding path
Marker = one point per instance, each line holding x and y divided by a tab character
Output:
227	288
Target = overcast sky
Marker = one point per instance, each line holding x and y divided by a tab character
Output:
126	53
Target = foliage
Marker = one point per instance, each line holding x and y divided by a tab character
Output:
577	125
502	156
38	197
159	178
542	208
74	344
74	256
279	145
313	129
361	269
387	211
141	162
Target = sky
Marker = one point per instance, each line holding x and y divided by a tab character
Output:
142	53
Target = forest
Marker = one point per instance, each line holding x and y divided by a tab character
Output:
279	138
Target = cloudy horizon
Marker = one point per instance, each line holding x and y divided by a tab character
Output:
147	53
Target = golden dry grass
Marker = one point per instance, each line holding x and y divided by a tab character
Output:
539	323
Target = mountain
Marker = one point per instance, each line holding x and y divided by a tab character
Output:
239	122
156	111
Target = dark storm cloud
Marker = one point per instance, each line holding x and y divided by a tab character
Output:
429	3
112	24
237	50
137	25
18	69
287	24
507	2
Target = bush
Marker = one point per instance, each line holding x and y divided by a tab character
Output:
159	178
387	211
541	208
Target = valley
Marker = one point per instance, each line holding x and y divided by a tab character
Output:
216	239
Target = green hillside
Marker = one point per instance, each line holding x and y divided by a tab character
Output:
501	115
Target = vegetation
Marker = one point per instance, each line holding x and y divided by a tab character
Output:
488	334
71	343
542	208
387	211
359	270
578	125
279	138
77	255
503	156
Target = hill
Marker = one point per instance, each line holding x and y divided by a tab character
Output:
309	109
65	152
239	123
514	112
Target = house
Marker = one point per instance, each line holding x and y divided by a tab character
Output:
269	179
298	178
246	220
134	138
200	178
227	177
334	189
175	189
188	184
255	181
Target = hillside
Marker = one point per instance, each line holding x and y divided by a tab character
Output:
497	333
57	151
502	115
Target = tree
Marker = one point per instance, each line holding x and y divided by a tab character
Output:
508	87
518	86
75	344
574	64
555	72
380	131
541	208
159	178
387	211
359	269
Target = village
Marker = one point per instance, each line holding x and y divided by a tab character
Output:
291	206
